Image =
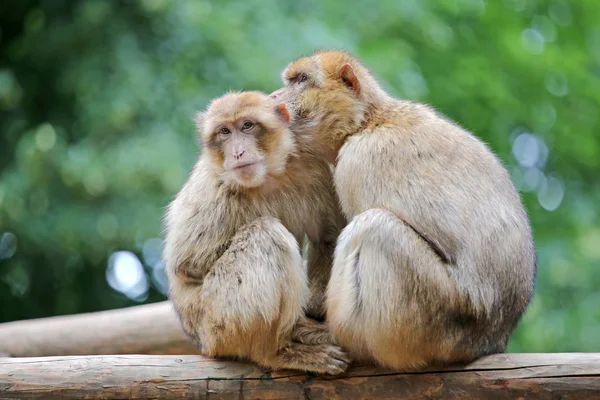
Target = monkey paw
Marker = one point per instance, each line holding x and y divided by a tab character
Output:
335	359
320	358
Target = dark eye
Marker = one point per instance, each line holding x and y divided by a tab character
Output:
247	125
302	78
224	131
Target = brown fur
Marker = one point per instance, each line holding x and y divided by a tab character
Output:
236	274
438	262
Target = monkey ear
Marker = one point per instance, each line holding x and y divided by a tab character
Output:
349	78
283	112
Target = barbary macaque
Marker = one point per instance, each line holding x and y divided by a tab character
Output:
437	263
235	269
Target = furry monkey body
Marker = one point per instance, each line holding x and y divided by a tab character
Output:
437	264
237	278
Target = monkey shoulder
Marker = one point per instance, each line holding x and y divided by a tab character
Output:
198	196
426	129
416	139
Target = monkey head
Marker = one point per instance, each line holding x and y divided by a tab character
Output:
246	137
328	95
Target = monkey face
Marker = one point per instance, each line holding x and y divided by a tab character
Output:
323	95
303	80
246	138
243	160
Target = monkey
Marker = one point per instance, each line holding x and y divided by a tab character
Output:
437	263
236	275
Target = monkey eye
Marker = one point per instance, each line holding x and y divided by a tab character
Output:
224	131
302	78
247	125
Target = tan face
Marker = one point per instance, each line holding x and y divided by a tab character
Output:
322	93
247	138
243	159
303	80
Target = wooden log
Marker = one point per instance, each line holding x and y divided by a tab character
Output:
147	329
500	376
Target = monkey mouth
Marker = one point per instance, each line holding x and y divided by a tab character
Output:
248	174
244	165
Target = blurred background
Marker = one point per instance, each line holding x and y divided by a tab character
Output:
97	100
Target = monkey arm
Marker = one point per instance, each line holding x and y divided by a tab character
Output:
204	247
195	241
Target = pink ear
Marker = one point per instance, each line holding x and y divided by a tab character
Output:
283	112
349	78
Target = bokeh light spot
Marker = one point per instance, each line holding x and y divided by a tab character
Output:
533	178
45	137
551	193
10	91
529	150
17	279
125	274
159	278
152	251
532	41
8	245
557	84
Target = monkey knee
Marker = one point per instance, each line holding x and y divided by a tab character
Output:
277	266
270	224
373	217
368	225
385	239
271	230
366	235
365	270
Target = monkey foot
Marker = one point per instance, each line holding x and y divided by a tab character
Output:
321	358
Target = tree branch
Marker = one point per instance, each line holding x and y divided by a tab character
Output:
501	376
147	329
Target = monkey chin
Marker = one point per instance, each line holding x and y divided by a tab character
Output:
249	176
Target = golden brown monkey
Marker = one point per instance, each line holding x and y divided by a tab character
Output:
437	264
236	274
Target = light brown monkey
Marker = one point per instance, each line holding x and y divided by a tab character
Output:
437	264
235	270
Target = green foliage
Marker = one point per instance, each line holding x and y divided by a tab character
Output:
97	100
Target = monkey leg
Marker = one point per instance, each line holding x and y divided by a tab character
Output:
251	301
390	296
